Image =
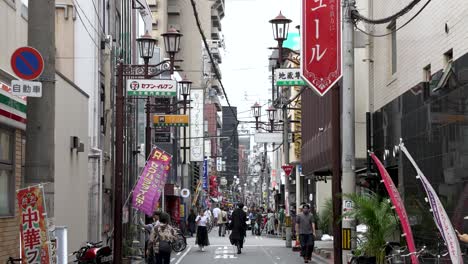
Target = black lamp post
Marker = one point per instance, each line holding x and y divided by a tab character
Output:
272	117
184	89
172	44
280	25
256	112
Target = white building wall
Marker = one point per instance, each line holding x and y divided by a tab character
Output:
422	42
71	173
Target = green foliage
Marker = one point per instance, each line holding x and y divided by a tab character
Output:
375	212
325	217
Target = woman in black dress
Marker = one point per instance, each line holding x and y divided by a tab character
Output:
239	227
202	232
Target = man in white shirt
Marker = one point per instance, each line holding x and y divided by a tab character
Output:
216	214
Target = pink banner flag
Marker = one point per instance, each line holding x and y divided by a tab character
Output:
152	180
440	215
399	207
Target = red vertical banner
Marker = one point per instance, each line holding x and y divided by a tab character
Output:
33	227
321	65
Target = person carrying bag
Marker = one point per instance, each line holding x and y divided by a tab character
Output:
161	240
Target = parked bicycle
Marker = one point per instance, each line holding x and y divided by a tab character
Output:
398	256
180	243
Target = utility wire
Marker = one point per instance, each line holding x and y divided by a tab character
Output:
97	14
355	14
402	26
86	28
207	47
84	14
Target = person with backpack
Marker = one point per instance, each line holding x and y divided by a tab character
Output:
161	239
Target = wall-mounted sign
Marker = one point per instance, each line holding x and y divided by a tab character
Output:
185	193
268	137
196	125
152	87
162	135
289	77
170	120
26	88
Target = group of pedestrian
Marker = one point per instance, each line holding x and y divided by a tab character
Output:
159	236
267	221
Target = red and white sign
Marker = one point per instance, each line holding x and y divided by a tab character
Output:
321	65
288	169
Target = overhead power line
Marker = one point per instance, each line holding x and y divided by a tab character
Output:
393	31
389	19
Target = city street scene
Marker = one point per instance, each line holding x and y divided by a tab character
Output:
234	131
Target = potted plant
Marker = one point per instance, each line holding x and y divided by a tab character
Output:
376	213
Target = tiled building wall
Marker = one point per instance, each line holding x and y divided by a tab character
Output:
9	228
422	42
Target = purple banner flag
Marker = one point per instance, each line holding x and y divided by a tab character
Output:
147	192
441	218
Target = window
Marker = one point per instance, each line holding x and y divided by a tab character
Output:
393	45
7	180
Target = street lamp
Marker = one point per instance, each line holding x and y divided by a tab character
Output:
184	89
271	116
256	112
280	26
146	46
172	44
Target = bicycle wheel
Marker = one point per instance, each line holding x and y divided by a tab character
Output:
180	244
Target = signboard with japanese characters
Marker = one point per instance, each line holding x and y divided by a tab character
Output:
170	120
26	88
321	65
196	125
289	77
33	228
157	87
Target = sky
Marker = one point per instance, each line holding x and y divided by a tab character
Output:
248	34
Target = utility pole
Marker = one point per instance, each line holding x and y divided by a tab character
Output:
286	161
336	175
40	132
348	121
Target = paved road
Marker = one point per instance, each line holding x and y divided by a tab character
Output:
257	250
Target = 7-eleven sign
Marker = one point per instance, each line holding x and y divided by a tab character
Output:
288	169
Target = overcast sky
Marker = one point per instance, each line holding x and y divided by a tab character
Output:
248	35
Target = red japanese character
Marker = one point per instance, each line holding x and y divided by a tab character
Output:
32	238
30	217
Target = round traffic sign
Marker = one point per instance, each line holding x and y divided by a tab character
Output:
27	63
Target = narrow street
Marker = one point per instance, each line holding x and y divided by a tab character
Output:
257	250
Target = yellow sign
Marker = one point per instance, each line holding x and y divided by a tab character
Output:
170	120
346	240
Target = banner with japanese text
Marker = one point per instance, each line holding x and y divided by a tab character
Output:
33	225
441	218
399	206
151	182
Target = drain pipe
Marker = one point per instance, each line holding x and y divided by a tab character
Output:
98	154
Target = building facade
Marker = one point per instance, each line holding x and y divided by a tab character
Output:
418	93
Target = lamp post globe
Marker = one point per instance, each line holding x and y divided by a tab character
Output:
172	41
256	110
280	25
146	45
184	87
271	113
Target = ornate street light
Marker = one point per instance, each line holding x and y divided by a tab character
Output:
146	46
184	89
271	116
256	112
280	25
172	41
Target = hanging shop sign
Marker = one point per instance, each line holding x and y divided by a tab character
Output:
268	137
33	226
321	65
196	125
170	120
289	77
157	87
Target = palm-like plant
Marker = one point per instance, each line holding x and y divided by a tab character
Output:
375	212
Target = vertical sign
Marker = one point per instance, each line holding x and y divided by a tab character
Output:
152	181
321	44
33	227
205	174
196	125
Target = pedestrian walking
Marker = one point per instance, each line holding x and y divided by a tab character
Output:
281	218
191	222
305	228
148	229
222	221
161	239
271	222
239	227
202	232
